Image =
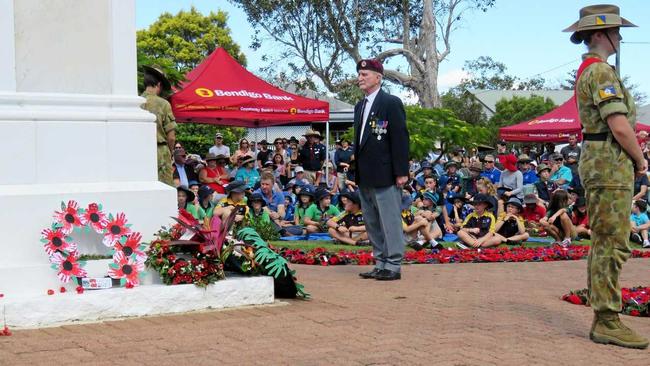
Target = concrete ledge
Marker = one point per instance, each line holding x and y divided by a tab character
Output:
63	308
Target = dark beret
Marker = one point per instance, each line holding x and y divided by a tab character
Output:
371	64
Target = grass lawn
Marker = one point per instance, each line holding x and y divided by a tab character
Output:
309	245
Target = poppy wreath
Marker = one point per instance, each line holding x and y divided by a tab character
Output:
324	257
636	300
127	249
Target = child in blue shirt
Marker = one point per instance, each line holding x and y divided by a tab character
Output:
640	223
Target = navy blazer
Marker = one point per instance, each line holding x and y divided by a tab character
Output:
380	158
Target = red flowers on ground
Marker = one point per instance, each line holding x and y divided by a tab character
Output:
5	331
322	256
80	289
62	290
636	300
50	292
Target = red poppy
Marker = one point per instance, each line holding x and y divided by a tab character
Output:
94	217
50	292
68	266
5	331
55	240
126	269
62	290
68	217
115	229
80	290
634	313
131	245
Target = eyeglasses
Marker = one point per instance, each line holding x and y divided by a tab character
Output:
489	161
277	143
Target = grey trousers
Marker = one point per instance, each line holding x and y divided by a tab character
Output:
381	209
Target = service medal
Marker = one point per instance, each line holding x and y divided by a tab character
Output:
379	138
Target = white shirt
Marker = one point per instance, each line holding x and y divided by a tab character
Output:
370	99
220	150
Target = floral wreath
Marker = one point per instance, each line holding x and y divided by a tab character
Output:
128	253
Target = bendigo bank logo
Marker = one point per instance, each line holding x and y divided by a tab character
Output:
293	110
204	92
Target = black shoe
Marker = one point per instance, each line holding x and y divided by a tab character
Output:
413	244
388	275
636	238
371	274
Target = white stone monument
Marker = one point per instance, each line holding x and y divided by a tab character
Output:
71	127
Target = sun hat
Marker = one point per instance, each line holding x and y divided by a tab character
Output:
236	186
299	169
509	162
482	198
515	202
159	74
190	194
204	192
524	158
322	193
352	196
530	199
476	166
211	156
407	201
307	190
580	202
450	163
256	197
218	135
595	17
248	159
311	132
543	167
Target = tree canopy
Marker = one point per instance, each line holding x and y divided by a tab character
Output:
178	43
326	38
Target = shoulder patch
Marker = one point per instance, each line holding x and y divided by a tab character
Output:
607	92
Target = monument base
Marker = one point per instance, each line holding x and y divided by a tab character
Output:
97	305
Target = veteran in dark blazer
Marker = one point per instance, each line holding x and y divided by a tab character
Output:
381	154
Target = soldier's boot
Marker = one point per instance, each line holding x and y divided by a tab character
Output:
607	328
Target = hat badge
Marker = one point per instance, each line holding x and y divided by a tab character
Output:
363	63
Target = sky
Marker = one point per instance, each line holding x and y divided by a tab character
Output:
525	35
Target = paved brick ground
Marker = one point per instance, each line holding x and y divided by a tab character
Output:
458	314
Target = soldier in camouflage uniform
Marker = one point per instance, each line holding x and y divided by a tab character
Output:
610	157
154	82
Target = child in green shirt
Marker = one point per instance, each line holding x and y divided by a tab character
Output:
257	214
317	214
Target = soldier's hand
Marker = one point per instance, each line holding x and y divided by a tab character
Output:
641	167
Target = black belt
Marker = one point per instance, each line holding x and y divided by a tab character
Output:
596	136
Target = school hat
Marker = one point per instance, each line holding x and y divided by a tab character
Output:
543	167
322	193
407	201
190	194
352	196
205	191
482	198
530	199
236	186
307	190
159	74
256	197
515	202
476	166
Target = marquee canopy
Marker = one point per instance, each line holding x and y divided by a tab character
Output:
554	126
220	91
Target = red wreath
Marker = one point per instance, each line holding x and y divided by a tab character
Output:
128	253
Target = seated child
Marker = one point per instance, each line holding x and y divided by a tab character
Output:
235	200
305	198
348	227
640	223
257	214
580	219
414	226
458	212
510	227
478	226
317	214
557	222
185	199
430	209
532	213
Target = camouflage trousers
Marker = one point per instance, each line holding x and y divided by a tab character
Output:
165	165
609	218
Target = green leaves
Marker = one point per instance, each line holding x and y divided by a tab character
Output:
429	127
178	43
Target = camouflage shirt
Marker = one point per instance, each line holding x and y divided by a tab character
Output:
165	121
600	94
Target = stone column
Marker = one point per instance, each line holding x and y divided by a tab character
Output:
71	127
